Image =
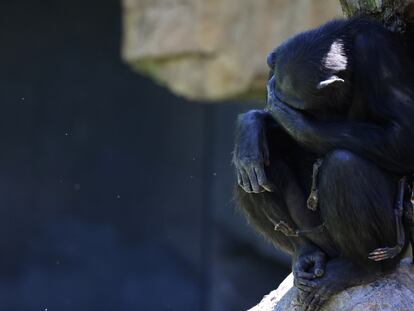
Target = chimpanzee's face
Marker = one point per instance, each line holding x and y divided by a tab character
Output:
293	86
306	81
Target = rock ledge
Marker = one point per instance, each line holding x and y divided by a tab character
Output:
392	292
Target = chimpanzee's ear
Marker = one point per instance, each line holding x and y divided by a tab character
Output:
329	81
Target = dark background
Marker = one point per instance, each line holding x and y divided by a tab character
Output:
115	194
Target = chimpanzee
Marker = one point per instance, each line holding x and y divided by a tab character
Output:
320	168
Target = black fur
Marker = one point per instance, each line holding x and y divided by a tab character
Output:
359	120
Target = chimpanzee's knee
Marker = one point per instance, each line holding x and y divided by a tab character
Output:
356	204
342	159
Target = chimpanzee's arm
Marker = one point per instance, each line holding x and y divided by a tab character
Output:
251	152
255	131
390	145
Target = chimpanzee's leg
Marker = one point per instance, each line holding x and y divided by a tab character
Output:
356	201
286	204
265	210
290	172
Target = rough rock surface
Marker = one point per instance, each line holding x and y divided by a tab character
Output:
216	49
394	292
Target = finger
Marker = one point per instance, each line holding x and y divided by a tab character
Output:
379	258
307	283
245	180
319	272
315	303
379	251
239	179
322	296
304	285
302	265
253	180
262	179
301	297
305	275
308	300
380	254
302	288
319	268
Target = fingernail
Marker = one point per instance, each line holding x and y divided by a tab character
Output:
318	272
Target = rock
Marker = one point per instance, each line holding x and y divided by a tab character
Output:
394	292
216	49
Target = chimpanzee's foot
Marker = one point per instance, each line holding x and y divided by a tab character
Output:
307	267
339	275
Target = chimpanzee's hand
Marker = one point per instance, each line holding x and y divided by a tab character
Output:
292	120
251	153
308	267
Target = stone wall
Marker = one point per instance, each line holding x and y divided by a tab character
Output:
216	49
